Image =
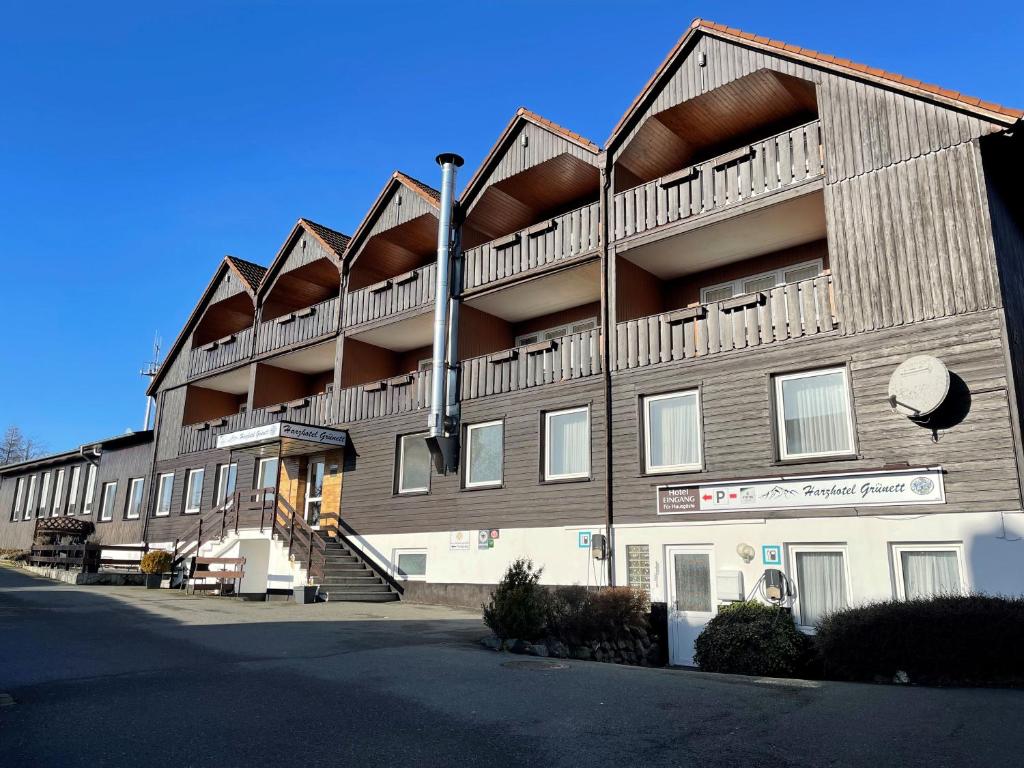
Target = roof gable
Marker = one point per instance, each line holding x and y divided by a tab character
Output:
392	209
329	243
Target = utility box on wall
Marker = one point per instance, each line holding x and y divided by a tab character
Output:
730	586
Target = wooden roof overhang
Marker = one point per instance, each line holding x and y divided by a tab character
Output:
505	195
305	284
404	240
245	271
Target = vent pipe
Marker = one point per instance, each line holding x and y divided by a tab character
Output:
442	430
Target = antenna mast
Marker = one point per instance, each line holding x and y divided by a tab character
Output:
149	370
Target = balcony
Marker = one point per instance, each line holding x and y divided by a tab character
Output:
791	311
557	239
384	397
389	298
297	327
315	409
220	353
757	169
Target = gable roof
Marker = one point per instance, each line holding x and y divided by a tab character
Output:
333	242
429	195
522	115
245	271
984	109
332	239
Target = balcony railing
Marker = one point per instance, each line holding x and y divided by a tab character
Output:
315	409
568	357
298	326
405	292
218	354
552	240
787	312
398	394
755	169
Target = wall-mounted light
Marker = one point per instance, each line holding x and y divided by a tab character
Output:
746	552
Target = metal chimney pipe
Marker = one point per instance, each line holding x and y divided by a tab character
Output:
449	162
452	407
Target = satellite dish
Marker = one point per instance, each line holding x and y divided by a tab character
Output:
918	386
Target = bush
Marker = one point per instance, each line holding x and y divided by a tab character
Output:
577	615
750	638
518	604
952	639
14	555
157	561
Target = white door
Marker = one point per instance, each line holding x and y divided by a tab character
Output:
691	598
314	491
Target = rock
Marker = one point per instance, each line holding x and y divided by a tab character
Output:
901	678
582	653
492	642
639	649
558	649
518	646
538	649
623	645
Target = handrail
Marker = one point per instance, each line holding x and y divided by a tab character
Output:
304	544
192	540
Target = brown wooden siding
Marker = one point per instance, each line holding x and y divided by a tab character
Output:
120	466
294	328
736	413
394	297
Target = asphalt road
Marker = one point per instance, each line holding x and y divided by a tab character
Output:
108	676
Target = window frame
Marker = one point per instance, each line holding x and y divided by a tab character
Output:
546	475
397	552
779	415
779	273
221	482
187	497
792	550
31	499
44	492
466	482
400	464
898	548
19	499
131	495
90	490
645	415
74	489
161	478
58	491
259	472
107	515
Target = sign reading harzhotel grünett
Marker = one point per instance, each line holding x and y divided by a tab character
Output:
866	489
284	430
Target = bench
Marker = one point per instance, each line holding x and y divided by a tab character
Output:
222	571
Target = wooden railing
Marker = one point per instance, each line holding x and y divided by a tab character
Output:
806	308
296	327
217	354
314	409
399	394
755	169
547	242
304	544
568	357
86	557
405	292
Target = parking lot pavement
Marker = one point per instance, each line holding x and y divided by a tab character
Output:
125	676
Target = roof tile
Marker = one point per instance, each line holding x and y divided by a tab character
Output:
252	273
333	239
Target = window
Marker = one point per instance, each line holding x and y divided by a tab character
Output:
19	497
813	414
485	452
567	444
226	476
425	364
927	570
638	567
165	490
76	474
413	464
58	492
107	501
762	282
672	432
578	326
194	491
821	582
266	474
133	506
30	505
90	489
411	563
44	494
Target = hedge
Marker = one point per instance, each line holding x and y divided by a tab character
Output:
750	638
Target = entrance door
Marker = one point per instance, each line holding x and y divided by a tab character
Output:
691	599
314	491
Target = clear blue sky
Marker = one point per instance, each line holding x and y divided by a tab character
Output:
140	142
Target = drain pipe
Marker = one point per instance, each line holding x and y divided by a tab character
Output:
439	438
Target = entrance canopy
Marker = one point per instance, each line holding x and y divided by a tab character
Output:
291	439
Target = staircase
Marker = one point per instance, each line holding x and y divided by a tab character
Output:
347	577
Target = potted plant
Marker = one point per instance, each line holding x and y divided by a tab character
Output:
154	564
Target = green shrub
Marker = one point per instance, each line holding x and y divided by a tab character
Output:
518	604
952	639
157	561
750	638
578	615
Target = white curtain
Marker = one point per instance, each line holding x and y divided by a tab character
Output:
415	463
821	585
815	411
926	574
485	454
692	582
674	435
569	443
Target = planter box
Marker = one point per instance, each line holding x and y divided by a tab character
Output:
304	595
153	580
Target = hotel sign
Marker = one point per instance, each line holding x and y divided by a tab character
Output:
283	430
883	488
